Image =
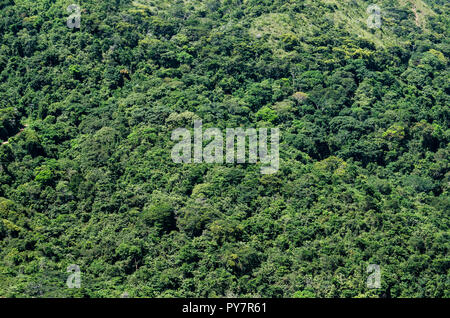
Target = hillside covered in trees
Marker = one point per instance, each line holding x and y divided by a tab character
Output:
86	175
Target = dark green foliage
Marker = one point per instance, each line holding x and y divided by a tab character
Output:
86	176
161	216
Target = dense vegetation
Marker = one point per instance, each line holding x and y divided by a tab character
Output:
86	176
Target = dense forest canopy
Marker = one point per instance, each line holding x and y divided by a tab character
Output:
86	177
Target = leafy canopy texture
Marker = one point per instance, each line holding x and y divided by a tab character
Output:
89	98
